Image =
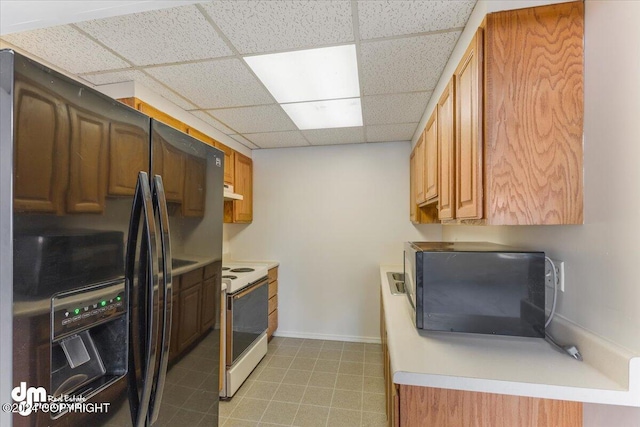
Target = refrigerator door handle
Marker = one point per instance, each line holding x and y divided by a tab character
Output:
142	209
160	204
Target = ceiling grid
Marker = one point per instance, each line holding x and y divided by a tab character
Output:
193	55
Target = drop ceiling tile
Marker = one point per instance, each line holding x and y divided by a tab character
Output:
261	118
393	18
267	26
405	65
244	141
66	48
335	136
160	36
141	78
278	139
205	117
395	108
214	84
384	133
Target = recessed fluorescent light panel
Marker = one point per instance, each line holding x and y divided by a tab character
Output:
309	75
335	113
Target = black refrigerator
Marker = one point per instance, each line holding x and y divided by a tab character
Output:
110	259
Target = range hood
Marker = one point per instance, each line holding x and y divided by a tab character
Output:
229	194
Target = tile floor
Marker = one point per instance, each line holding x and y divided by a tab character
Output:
298	383
311	383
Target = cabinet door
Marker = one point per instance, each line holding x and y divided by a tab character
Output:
172	164
419	169
208	304
446	154
195	187
534	135
273	324
190	310
175	319
431	158
413	206
468	149
243	209
229	158
128	155
41	152
87	162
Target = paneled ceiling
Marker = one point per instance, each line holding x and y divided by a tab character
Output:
192	56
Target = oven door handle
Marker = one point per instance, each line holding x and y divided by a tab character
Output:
160	208
142	209
250	288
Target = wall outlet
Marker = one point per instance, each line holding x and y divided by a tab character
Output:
548	274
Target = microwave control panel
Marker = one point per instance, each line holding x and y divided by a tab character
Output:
74	311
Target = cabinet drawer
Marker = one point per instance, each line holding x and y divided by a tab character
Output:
273	323
273	274
209	270
273	288
191	278
273	303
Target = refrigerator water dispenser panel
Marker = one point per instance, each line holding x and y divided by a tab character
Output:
89	339
87	307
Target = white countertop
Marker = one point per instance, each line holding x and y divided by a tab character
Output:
494	364
268	264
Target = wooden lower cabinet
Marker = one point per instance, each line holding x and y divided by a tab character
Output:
273	302
209	293
425	406
195	298
189	323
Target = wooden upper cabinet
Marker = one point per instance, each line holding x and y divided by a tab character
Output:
534	106
161	116
87	162
170	162
431	158
446	153
413	206
195	187
419	170
201	136
128	155
468	135
229	163
41	153
243	209
228	152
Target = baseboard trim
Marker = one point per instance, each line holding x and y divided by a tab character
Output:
312	336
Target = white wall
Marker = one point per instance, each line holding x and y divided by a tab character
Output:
602	280
330	215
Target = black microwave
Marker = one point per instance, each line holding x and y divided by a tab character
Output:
475	287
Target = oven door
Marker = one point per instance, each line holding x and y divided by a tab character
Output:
247	318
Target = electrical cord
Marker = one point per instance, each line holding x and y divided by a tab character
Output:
555	291
571	350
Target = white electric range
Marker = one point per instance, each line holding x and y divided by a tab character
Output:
239	275
246	322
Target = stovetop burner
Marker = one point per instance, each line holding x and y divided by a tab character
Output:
229	276
225	268
243	270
